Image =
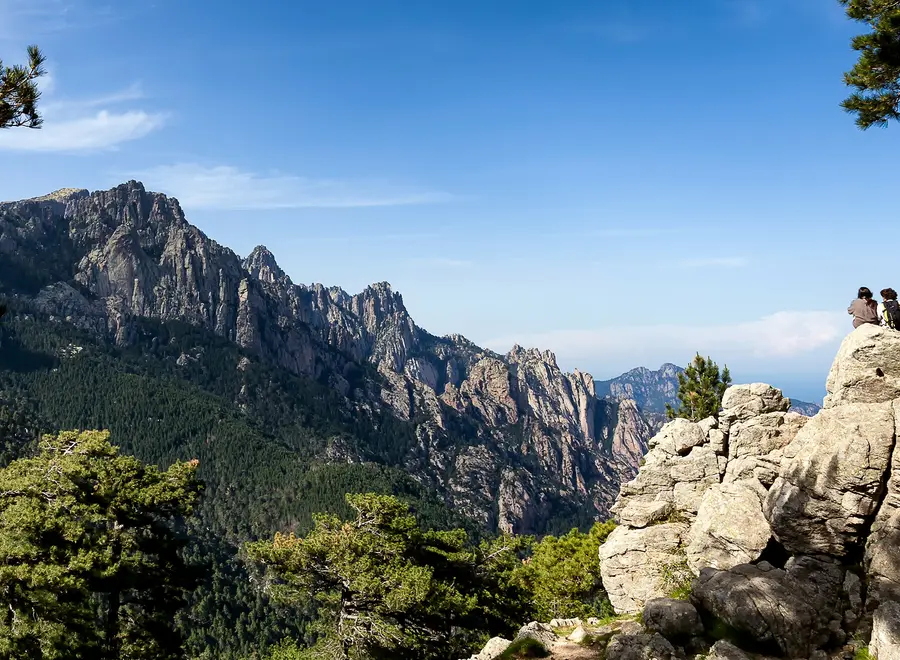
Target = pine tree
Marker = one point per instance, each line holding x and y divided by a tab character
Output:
700	390
387	589
19	92
563	575
90	558
876	75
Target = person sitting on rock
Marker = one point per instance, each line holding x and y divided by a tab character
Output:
864	309
890	309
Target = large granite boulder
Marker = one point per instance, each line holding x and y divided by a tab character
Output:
678	437
730	528
866	369
640	646
764	434
789	610
724	650
493	649
630	562
539	632
743	402
673	619
832	479
681	480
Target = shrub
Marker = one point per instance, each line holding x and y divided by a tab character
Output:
676	576
525	648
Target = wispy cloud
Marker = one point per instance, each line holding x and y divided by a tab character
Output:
229	188
715	262
87	124
41	17
442	262
782	335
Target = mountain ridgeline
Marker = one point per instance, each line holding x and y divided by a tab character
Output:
119	283
652	391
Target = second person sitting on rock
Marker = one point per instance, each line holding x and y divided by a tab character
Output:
890	309
864	309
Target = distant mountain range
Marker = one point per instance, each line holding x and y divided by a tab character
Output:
653	390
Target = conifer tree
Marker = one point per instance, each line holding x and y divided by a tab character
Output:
90	558
700	390
563	575
876	75
388	589
19	92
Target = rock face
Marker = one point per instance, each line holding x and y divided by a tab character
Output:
508	439
794	540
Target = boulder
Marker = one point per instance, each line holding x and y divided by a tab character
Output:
717	441
539	632
493	649
578	635
730	528
764	434
866	368
641	646
790	610
680	480
723	650
885	643
630	560
831	479
763	469
742	402
673	619
678	437
641	513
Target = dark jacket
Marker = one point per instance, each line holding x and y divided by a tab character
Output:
864	311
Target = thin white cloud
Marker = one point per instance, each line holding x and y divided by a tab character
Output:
88	124
779	336
229	188
133	92
715	262
442	262
42	17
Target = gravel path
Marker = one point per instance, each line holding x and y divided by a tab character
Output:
570	651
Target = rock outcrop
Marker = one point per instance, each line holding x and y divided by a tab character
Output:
510	440
793	544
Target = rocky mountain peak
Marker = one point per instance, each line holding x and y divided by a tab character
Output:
519	354
262	266
127	208
378	303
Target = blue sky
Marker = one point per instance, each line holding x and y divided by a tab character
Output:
622	183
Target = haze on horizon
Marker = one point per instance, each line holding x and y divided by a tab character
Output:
560	176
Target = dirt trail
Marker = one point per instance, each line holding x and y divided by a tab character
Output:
571	651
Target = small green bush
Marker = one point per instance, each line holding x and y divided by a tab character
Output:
863	654
676	576
525	648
